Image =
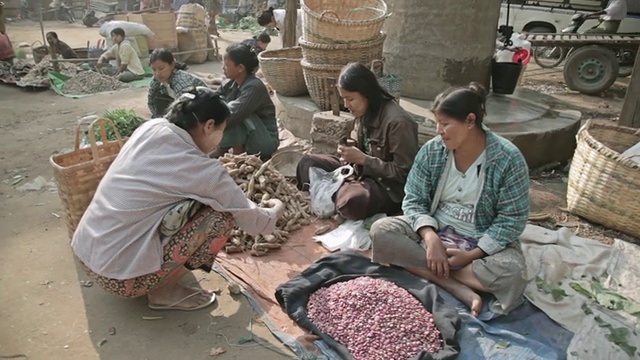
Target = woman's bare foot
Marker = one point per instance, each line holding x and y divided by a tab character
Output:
476	304
180	297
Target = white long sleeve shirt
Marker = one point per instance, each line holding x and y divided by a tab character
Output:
160	165
616	10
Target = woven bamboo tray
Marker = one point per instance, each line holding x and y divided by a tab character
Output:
79	172
317	77
604	186
342	21
283	71
342	54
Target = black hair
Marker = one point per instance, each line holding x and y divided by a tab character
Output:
166	56
242	54
266	17
459	102
356	77
197	106
53	35
118	31
263	37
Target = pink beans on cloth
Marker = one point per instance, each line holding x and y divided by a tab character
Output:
374	319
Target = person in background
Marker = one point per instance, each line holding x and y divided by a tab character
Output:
170	80
252	125
385	141
258	43
274	19
164	208
213	8
466	204
610	17
60	47
128	68
24	9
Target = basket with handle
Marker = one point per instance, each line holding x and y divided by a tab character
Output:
319	78
343	21
390	82
78	173
39	52
604	186
342	54
282	70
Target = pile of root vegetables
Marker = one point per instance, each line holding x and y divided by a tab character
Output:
261	182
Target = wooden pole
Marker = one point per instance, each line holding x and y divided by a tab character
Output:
56	67
290	20
630	115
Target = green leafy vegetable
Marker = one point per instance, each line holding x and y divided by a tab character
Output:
125	120
501	344
618	336
548	288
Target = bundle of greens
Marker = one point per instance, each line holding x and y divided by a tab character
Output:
125	120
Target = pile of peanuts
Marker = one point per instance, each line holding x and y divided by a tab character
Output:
260	181
375	319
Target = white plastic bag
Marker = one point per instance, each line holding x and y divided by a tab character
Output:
323	186
131	29
633	153
349	235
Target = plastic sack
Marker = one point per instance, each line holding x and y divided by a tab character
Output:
349	235
451	239
131	29
323	186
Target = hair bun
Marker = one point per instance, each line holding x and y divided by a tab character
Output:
477	88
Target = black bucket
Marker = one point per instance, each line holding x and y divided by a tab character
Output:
504	76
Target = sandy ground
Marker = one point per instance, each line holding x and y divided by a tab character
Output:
48	314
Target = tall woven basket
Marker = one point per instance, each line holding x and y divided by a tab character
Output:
342	54
342	21
79	172
604	186
283	70
317	78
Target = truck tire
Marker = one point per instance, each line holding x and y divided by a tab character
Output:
591	69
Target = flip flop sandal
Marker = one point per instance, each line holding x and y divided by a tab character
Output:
175	306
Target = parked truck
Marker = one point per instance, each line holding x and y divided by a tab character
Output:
550	16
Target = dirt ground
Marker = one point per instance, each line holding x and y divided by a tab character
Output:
48	314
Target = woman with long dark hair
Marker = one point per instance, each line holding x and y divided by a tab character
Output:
170	80
252	125
164	208
385	141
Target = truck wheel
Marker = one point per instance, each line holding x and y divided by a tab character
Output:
591	69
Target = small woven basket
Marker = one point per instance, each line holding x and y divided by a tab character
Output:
283	71
39	52
317	77
342	21
79	172
342	54
604	186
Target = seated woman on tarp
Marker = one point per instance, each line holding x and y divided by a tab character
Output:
466	204
170	80
165	208
385	144
60	47
252	125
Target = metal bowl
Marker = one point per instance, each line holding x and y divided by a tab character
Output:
286	162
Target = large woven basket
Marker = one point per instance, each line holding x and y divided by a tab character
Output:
604	186
318	77
79	172
282	70
342	21
342	54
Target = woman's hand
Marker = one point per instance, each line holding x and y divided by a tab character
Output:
437	259
459	258
351	155
275	205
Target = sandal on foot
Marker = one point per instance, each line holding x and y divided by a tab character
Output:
175	306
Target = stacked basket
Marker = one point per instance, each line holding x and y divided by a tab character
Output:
337	32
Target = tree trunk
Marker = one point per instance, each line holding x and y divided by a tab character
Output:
436	44
630	115
290	21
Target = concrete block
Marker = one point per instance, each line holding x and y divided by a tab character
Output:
295	114
327	130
